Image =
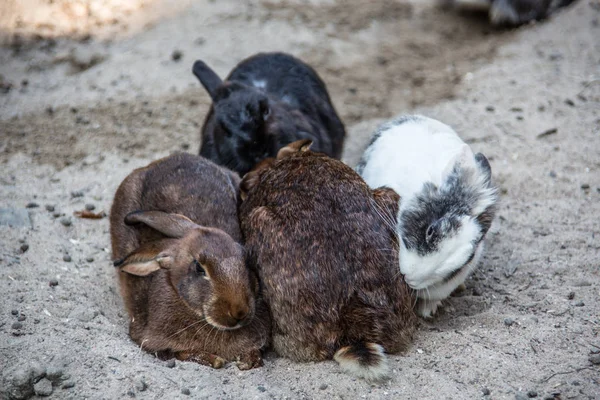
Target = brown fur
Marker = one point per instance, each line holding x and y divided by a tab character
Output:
188	212
326	251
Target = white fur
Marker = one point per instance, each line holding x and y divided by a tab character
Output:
405	157
410	154
374	373
423	272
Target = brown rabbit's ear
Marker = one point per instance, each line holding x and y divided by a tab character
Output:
387	201
251	178
170	225
299	146
145	260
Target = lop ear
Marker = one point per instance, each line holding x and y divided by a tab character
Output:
299	146
145	260
388	202
207	77
170	225
251	179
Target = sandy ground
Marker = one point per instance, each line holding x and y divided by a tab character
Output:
77	115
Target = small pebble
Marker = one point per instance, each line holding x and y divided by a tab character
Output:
261	388
571	295
323	386
516	109
521	396
176	55
90	207
24	247
185	391
49	207
579	304
66	221
36	321
509	321
53	282
477	291
54	373
17	325
171	363
130	393
32	205
56	214
552	174
68	385
89	259
585	186
77	193
14	312
43	387
485	391
532	393
575	383
21	318
141	385
67	258
570	102
490	109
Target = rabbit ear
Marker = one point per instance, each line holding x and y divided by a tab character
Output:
484	167
207	77
299	146
170	225
145	260
252	178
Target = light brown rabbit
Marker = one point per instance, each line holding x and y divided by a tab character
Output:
181	267
327	254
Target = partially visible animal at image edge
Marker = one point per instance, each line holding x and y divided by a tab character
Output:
268	101
327	254
182	270
448	202
510	12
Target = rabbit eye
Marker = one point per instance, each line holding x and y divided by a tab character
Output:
429	232
199	268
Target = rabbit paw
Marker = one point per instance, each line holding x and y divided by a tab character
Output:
427	308
249	360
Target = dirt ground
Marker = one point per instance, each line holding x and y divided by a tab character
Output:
101	91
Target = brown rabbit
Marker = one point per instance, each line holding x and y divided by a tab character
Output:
182	271
327	254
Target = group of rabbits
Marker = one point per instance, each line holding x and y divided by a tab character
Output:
266	239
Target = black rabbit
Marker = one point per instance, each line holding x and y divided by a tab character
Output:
268	101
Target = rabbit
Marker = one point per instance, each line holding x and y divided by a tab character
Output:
448	202
267	101
511	12
326	251
182	270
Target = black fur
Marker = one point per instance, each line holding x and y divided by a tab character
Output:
517	12
247	124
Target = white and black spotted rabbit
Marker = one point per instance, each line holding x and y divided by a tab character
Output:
447	202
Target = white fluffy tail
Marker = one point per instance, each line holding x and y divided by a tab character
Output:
364	360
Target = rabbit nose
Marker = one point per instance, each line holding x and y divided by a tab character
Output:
239	313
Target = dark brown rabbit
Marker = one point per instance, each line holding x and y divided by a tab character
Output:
181	267
326	252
